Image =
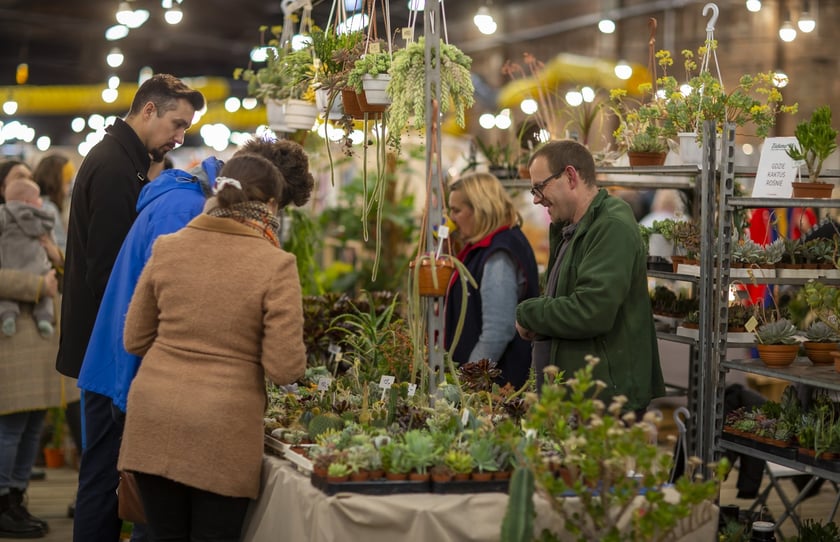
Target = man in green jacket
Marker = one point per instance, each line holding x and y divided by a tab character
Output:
596	298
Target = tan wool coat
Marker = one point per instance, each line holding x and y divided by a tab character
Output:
28	379
217	308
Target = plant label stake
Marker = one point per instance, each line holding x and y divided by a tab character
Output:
385	384
412	389
324	385
443	234
335	356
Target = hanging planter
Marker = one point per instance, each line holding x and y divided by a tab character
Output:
276	113
299	114
374	86
331	111
433	279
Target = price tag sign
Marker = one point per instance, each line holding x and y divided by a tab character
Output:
443	232
412	389
751	324
324	383
373	47
339	356
776	170
408	34
386	381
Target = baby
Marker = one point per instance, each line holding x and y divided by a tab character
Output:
23	226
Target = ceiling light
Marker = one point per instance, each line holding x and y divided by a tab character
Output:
806	22
113	82
787	32
115	57
623	70
588	94
502	120
43	143
232	104
484	21
109	95
416	5
529	106
754	5
77	124
574	98
10	107
124	13
352	5
487	120
173	15
249	103
354	23
780	79
144	75
116	32
300	41
606	25
138	17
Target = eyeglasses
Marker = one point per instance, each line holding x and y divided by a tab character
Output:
537	189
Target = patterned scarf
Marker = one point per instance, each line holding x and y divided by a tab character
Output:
255	215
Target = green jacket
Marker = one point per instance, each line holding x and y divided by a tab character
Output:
601	305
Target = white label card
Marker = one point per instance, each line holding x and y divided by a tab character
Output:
386	381
324	383
751	324
373	47
333	349
408	34
443	232
412	389
776	170
465	417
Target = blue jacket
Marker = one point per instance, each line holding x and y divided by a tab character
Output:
165	206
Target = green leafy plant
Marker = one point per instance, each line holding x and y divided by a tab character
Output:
755	99
821	332
369	64
813	530
641	125
598	446
420	450
408	97
816	140
286	74
459	461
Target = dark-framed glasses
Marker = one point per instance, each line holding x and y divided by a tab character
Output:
537	189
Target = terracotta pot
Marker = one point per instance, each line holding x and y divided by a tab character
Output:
481	476
502	475
820	353
812	190
444	269
54	457
396	476
337	479
461	476
646	158
353	107
777	355
419	476
360	476
836	357
377	474
442	478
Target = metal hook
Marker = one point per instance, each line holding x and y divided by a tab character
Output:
710	26
677	420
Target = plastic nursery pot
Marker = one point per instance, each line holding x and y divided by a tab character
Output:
444	269
54	457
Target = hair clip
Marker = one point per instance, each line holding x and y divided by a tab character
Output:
222	182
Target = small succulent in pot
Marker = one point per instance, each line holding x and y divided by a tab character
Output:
821	332
781	331
816	141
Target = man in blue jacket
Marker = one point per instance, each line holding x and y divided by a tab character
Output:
165	206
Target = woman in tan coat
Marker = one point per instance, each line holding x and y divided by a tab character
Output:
216	310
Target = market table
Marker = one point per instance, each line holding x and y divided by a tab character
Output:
290	508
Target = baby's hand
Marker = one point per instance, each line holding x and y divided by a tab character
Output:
50	284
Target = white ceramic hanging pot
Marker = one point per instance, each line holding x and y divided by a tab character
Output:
322	102
374	86
275	110
300	114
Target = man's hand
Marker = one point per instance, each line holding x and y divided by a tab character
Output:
50	284
526	334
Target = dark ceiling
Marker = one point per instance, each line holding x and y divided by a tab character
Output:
63	40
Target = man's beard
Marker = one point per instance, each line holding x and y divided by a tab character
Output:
157	155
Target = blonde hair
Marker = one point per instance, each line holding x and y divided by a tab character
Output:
491	204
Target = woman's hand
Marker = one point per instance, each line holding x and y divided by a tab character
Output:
50	284
53	252
526	334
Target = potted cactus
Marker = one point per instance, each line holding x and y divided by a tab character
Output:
777	343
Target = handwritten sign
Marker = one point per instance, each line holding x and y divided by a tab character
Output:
776	170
